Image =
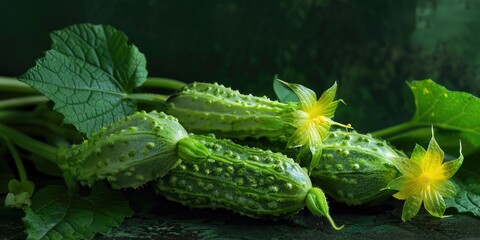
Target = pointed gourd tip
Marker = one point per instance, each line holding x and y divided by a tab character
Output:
317	204
332	223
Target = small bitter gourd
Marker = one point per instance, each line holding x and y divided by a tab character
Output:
217	173
128	153
205	108
212	108
355	168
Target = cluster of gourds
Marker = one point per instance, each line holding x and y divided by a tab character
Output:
188	152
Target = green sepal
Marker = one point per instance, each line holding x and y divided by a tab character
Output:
20	193
317	204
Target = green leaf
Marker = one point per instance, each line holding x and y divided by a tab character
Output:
468	197
283	92
88	74
454	115
456	111
57	214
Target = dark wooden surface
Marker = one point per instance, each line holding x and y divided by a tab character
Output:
169	220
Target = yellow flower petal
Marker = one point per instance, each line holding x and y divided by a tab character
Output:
324	110
425	179
433	157
397	183
418	153
298	138
316	154
307	97
408	187
322	130
313	135
451	167
411	206
434	203
328	95
406	166
296	118
447	189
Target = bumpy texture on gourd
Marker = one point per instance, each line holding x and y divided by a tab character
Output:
249	181
137	149
212	108
355	168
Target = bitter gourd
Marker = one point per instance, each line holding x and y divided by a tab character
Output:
137	149
205	108
355	168
217	173
212	108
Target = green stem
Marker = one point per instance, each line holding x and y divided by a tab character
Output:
70	182
18	161
43	121
22	101
394	130
42	149
8	84
149	98
10	114
164	83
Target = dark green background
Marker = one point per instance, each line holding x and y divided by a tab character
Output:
369	47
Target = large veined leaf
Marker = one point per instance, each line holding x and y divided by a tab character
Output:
467	199
88	74
456	116
57	214
457	111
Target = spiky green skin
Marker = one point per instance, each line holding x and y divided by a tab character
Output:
140	148
354	168
212	108
249	181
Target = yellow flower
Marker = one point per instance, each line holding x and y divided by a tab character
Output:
425	179
313	120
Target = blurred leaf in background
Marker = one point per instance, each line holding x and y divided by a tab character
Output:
369	47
